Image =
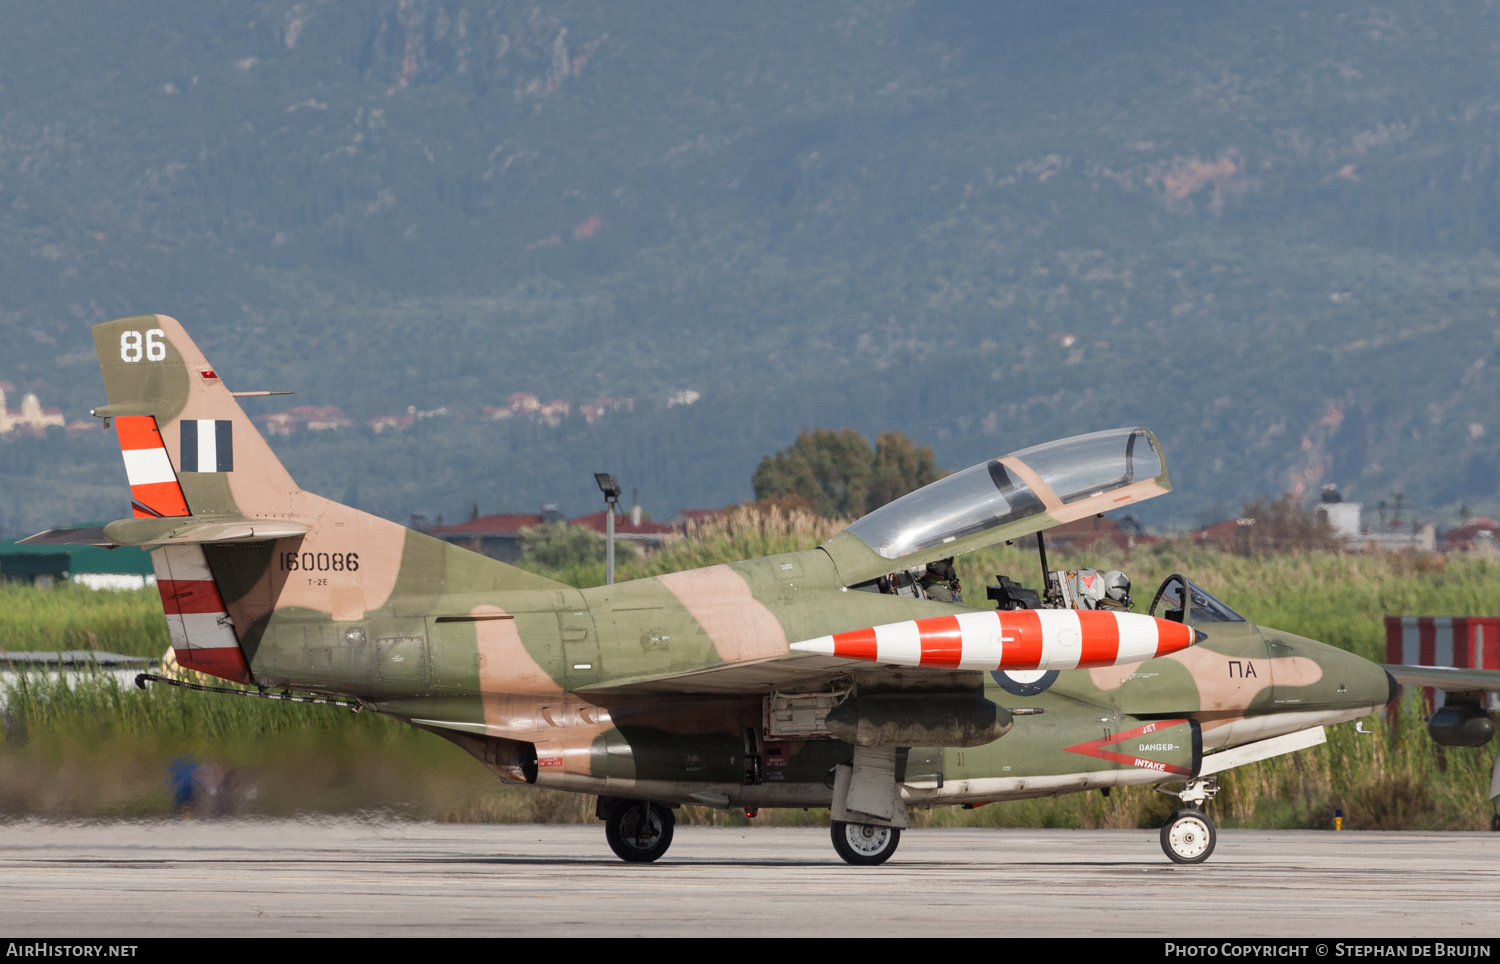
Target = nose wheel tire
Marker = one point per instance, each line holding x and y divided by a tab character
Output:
1188	836
863	845
639	832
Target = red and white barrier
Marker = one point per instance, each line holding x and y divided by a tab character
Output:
1468	642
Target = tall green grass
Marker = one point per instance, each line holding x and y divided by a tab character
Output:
68	616
97	748
89	746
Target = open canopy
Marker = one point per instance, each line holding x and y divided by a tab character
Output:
1010	496
1009	489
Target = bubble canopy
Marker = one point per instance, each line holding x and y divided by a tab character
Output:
1030	482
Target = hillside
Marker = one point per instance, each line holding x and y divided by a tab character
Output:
1267	232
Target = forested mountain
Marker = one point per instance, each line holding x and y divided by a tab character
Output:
1267	231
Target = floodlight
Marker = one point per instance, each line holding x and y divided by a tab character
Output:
609	485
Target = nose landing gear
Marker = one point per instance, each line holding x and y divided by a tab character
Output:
1188	836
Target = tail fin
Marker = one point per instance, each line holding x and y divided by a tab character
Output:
167	399
246	561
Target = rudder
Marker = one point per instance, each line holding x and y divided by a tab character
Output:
203	636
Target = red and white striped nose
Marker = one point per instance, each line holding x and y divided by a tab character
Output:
1038	639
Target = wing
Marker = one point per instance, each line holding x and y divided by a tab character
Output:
798	671
727	629
1003	499
958	647
1451	679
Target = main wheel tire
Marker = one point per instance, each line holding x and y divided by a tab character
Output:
863	845
1188	836
639	832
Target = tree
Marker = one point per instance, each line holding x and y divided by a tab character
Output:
557	545
899	467
837	473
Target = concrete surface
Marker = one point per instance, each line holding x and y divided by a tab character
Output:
236	878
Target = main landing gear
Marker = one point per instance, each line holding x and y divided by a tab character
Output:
1188	836
863	845
638	832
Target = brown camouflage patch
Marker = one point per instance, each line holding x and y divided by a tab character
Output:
505	665
320	571
1220	687
720	600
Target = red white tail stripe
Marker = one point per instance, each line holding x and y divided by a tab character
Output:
153	483
197	619
1036	639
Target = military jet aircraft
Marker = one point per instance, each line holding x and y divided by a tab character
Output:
846	677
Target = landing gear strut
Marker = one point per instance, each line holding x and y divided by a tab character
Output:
1188	836
863	845
638	832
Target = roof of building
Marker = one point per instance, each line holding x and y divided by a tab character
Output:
511	524
500	524
1219	533
1465	534
1089	529
623	526
684	516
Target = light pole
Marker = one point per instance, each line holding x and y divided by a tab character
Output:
610	486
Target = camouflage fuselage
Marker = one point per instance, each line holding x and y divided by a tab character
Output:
570	673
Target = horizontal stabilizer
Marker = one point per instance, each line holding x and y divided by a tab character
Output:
86	536
192	530
186	530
